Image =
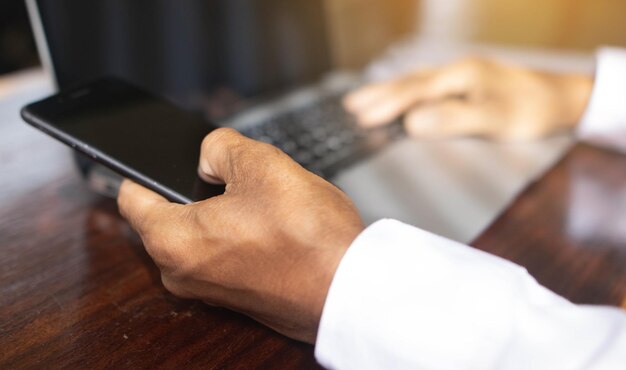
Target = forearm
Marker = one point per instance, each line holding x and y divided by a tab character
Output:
575	92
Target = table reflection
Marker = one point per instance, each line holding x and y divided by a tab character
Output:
596	208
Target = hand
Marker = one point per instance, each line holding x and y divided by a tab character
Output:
476	97
268	247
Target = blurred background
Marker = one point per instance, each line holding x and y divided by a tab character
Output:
361	29
211	56
17	47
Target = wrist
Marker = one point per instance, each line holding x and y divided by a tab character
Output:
328	264
575	91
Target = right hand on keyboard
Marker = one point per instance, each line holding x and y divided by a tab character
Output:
475	97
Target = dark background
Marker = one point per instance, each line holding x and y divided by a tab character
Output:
17	46
189	50
213	57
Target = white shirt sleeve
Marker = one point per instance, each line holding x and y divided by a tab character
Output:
403	298
604	122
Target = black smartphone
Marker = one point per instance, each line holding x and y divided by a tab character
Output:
137	134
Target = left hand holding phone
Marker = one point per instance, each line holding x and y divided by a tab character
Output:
268	247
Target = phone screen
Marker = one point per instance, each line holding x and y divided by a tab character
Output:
135	133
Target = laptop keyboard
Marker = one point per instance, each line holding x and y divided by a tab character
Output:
323	137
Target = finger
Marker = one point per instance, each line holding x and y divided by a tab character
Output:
450	118
392	104
163	226
380	104
389	102
227	156
140	206
360	99
365	96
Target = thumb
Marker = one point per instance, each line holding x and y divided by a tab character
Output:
227	156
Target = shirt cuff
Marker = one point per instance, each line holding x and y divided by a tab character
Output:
604	122
403	298
400	290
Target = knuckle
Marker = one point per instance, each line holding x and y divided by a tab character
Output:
470	67
272	151
220	150
471	62
223	137
279	163
522	134
228	136
224	132
266	158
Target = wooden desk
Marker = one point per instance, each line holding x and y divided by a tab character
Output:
77	289
569	228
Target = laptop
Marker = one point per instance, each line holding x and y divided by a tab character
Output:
265	68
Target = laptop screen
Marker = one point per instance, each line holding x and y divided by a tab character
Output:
206	55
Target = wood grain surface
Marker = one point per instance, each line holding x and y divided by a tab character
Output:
77	289
569	228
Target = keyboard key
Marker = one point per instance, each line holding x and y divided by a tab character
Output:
333	143
303	157
322	136
320	150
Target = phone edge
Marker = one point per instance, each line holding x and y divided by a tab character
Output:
100	157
